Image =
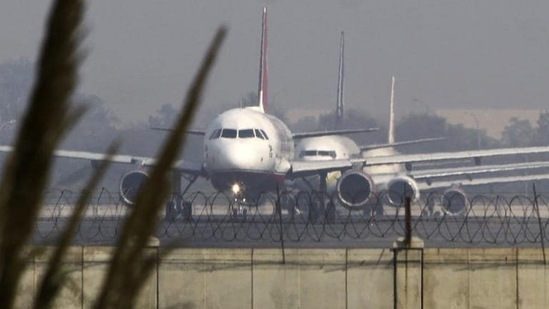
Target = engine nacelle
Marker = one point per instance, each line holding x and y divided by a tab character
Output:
130	185
455	201
354	189
400	188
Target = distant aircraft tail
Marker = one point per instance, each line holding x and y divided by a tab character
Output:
391	137
262	88
340	112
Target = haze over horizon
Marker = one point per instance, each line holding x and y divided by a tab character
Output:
444	54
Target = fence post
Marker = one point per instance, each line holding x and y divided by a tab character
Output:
408	266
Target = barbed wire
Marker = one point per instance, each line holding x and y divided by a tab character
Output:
296	218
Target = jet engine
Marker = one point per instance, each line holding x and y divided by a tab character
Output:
354	188
130	184
401	187
455	201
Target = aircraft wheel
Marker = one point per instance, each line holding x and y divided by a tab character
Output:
234	216
187	210
171	211
300	210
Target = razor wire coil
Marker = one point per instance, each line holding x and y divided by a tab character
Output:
491	219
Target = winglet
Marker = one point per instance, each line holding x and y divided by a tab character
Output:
340	113
391	139
262	88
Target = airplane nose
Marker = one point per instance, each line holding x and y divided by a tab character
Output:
243	157
240	156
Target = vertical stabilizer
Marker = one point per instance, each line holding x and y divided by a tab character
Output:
262	88
392	113
340	112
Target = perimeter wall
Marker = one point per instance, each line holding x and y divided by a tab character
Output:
316	278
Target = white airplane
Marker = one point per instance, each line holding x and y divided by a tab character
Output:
386	170
248	152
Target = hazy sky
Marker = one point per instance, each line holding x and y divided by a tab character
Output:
143	53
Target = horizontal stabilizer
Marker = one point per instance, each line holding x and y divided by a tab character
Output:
396	144
332	132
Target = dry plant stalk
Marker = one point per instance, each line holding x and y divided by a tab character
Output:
47	119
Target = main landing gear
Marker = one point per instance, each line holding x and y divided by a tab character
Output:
177	207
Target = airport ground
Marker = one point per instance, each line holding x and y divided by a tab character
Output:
493	256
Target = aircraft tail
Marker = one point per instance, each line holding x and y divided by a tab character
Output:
262	88
340	112
391	137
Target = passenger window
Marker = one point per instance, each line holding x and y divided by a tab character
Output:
259	134
228	133
215	134
264	134
246	133
326	153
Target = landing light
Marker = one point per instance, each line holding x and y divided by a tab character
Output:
235	188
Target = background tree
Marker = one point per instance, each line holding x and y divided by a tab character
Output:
542	134
457	137
15	82
415	126
518	133
165	116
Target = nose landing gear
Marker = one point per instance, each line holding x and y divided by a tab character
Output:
239	209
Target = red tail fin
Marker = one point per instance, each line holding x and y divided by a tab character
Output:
262	89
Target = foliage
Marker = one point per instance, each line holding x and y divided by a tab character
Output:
518	133
542	134
48	118
165	118
15	83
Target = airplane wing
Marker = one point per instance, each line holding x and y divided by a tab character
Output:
332	132
191	132
91	156
481	181
309	168
455	155
469	171
396	144
182	166
187	167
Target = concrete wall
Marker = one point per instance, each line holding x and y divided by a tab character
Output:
314	278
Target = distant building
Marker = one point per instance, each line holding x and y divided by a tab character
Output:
492	121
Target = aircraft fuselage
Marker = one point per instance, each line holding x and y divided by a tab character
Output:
248	148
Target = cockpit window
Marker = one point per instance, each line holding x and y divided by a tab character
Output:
264	134
215	134
307	153
259	134
318	153
228	133
246	133
324	153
